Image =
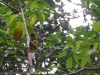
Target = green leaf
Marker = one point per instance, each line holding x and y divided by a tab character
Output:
87	3
85	60
94	35
48	44
69	63
2	32
69	39
20	23
96	44
10	19
76	58
33	19
36	5
96	26
12	27
11	43
85	43
40	16
90	65
45	5
1	40
30	29
62	54
26	2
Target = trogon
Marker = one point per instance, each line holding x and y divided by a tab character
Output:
34	40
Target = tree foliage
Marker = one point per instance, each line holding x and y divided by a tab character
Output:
77	49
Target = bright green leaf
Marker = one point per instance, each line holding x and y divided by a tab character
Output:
26	2
96	26
12	27
84	43
35	5
69	63
96	45
94	35
10	19
76	58
85	60
62	54
33	19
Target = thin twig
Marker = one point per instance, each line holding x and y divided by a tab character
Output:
38	49
41	55
4	3
74	73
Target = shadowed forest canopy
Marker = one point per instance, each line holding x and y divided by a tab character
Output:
49	37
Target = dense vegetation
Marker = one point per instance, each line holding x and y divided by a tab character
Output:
76	52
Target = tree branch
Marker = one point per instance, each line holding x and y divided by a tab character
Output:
28	41
4	3
83	69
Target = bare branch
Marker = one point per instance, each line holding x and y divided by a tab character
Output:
41	55
28	41
4	3
83	69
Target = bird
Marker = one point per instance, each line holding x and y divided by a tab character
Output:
33	41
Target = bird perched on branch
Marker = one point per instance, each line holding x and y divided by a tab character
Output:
33	41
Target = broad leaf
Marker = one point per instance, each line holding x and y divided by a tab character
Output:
10	19
96	26
69	63
30	29
12	27
62	54
40	16
76	58
96	44
36	5
85	60
69	39
33	19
